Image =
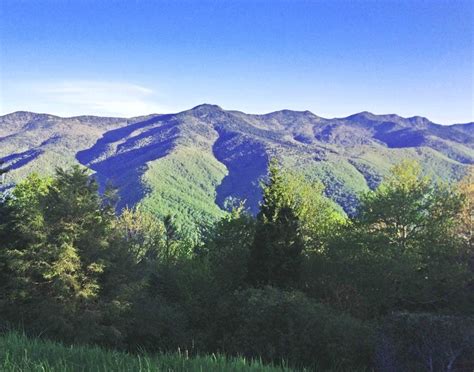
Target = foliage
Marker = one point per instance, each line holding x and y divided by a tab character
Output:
294	215
466	215
273	324
54	253
402	251
143	234
228	248
300	282
425	342
407	207
149	238
183	185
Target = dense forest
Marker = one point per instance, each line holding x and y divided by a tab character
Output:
389	289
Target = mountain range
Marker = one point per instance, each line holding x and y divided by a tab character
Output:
195	163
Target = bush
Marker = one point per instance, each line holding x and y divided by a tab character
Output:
425	342
276	324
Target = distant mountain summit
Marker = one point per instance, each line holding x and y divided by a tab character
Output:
195	162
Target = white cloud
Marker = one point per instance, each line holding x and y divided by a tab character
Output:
84	97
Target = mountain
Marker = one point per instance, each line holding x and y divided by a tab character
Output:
194	162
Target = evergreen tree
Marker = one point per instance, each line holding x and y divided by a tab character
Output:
228	248
275	255
79	222
55	252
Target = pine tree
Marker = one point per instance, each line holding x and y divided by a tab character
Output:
56	253
78	222
228	248
275	255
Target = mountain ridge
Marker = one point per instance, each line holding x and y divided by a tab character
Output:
210	105
199	160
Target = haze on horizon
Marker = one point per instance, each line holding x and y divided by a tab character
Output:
334	58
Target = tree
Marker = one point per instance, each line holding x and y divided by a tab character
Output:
399	208
22	234
466	214
142	233
295	221
425	342
276	252
170	237
23	222
79	222
403	247
228	248
58	253
465	226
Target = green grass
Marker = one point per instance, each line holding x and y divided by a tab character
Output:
19	353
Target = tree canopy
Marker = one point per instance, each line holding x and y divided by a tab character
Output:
300	281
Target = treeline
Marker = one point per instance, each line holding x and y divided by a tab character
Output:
390	289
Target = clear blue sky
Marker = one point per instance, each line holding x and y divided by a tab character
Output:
332	57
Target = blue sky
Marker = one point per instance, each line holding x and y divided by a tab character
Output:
334	58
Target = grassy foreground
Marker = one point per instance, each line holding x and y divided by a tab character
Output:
19	353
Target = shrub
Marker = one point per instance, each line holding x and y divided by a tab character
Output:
275	324
425	342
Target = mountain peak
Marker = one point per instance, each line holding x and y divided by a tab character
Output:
419	120
366	116
286	112
362	115
27	115
206	107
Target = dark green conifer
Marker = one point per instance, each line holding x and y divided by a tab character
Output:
275	256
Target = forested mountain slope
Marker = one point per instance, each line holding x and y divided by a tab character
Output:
194	162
